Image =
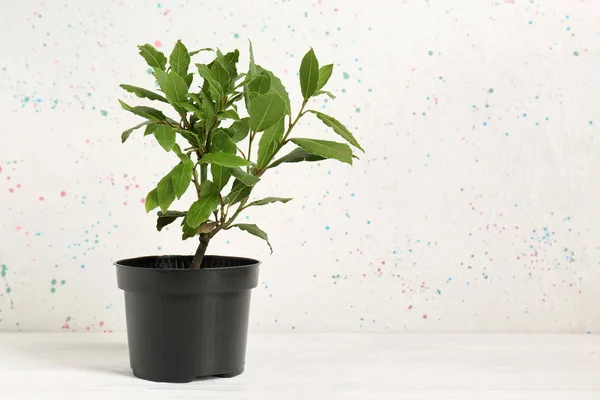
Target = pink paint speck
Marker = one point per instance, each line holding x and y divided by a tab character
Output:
424	316
41	198
63	193
143	201
101	323
157	43
410	307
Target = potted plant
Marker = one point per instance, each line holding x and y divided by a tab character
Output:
187	316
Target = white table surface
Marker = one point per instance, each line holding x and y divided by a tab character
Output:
88	366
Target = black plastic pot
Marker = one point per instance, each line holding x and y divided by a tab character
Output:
182	323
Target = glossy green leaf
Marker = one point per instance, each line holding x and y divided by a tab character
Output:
191	137
179	61
231	59
325	92
265	111
143	93
220	75
146	112
182	177
193	53
269	143
260	84
228	114
239	192
167	218
256	231
252	71
165	192
309	74
324	148
187	231
189	78
125	134
201	210
172	85
338	128
150	129
244	177
239	129
224	159
324	75
153	57
214	86
221	142
189	107
277	87
268	200
165	135
296	155
151	200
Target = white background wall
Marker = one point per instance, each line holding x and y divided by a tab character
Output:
475	208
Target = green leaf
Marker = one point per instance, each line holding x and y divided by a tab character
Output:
221	76
221	142
200	211
327	149
151	200
269	143
146	112
191	137
244	177
325	92
125	134
205	72
165	192
268	200
296	155
150	129
260	84
173	86
277	87
224	159
182	177
231	59
189	107
256	231
338	128
229	114
193	53
179	60
239	129
324	75
265	111
252	71
143	93
187	231
239	192
167	218
165	135
153	57
309	74
189	78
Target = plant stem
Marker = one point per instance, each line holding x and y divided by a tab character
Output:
251	138
200	251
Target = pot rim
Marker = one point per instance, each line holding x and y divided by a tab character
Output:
122	263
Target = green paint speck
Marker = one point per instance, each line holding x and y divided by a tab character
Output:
576	53
104	113
149	71
430	52
346	75
63	282
490	90
3	271
8	290
357	109
343	90
26	99
53	281
52	290
236	35
305	15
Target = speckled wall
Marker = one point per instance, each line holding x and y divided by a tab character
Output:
475	208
